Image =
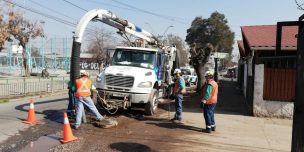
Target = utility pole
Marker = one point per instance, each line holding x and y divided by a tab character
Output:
215	69
298	116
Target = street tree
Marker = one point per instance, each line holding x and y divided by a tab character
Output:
205	36
100	40
4	35
14	26
23	30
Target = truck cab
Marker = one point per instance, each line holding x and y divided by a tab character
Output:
133	77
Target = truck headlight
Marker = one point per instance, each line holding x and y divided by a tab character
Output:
147	84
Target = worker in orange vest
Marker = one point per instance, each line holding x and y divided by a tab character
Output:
83	97
209	101
179	90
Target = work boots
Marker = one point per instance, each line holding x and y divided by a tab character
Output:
213	128
208	130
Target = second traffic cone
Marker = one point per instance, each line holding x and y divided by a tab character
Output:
67	131
31	117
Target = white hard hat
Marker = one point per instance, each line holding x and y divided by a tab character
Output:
177	71
209	73
84	72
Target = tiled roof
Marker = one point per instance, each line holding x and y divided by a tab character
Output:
265	36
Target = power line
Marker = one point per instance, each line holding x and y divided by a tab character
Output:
300	6
50	9
151	13
101	3
80	9
46	15
42	14
56	12
75	5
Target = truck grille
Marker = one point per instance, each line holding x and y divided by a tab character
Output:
119	81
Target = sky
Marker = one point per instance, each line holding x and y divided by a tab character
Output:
157	16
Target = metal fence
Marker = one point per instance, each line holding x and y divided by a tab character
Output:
19	86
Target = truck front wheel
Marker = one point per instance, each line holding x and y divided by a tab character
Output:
151	106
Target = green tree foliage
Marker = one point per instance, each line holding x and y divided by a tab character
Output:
205	36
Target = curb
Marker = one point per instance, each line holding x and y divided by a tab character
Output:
38	96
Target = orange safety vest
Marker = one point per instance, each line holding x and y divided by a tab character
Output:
83	86
176	86
213	95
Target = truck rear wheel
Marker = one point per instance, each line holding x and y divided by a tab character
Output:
151	106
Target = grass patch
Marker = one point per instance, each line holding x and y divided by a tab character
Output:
4	100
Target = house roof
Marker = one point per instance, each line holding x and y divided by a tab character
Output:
264	37
241	48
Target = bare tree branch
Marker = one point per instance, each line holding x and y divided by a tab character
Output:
300	5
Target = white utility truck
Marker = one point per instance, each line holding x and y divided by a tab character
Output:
139	74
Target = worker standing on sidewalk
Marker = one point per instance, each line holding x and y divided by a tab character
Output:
209	100
179	90
83	96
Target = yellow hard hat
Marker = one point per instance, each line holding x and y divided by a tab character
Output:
209	73
84	73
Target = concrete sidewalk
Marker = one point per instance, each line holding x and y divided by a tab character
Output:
236	129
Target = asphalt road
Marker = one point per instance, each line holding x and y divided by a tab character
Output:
48	110
236	129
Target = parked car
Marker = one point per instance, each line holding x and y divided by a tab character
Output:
189	76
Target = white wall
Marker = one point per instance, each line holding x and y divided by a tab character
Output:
268	108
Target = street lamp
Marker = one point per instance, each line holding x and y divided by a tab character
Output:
150	27
163	36
167	29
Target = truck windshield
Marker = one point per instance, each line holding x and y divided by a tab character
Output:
138	58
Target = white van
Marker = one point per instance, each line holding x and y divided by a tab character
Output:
189	75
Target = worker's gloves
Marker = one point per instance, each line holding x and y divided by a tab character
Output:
204	101
93	87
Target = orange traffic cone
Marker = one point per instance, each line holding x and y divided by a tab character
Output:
67	131
31	117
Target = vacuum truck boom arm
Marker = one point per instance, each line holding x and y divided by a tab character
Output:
109	18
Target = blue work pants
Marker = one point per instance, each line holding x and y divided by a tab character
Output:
209	110
178	106
87	101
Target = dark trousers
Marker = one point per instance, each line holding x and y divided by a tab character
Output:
178	106
209	110
71	105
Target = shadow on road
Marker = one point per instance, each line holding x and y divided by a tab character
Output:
52	115
128	146
230	101
21	107
170	125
